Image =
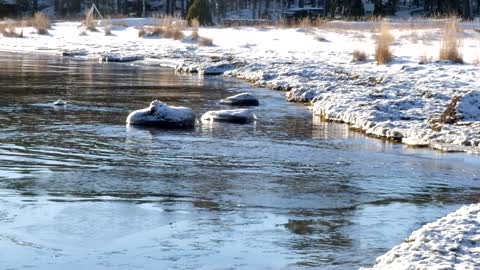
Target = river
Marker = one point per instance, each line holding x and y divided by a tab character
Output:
81	190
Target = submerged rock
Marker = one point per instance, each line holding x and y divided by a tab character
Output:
74	53
59	103
243	99
240	116
160	114
119	58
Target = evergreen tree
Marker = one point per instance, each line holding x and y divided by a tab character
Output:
200	10
357	9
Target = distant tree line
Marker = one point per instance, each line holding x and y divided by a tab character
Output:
255	8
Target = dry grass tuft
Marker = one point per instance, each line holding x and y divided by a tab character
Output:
173	31
359	56
8	30
383	54
142	33
194	23
451	42
83	33
205	41
89	22
108	30
320	38
41	22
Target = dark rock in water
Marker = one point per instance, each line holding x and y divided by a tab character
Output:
74	53
120	58
240	116
216	69
159	114
243	99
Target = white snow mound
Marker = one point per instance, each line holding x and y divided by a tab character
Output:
469	106
452	242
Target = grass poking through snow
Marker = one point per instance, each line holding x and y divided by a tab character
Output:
383	53
451	42
41	22
359	56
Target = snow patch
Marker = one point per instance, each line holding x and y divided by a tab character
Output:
452	242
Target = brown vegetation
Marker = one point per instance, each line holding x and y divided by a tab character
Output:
89	21
451	42
41	22
9	30
383	54
359	56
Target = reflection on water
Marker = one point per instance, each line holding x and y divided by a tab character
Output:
80	189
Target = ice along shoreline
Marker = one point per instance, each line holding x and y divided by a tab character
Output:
404	100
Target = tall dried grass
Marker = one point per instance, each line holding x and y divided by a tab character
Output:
451	42
194	23
9	30
89	21
383	53
41	22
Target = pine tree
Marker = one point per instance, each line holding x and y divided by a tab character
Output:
200	10
357	9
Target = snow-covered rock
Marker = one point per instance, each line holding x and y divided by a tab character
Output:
59	103
242	99
240	116
114	57
160	114
452	242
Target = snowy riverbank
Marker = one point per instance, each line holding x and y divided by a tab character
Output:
451	242
403	100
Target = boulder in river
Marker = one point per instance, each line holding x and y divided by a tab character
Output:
243	99
59	103
112	57
239	116
159	114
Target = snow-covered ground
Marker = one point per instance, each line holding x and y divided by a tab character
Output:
403	100
452	242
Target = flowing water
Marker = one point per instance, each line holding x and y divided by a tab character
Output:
81	190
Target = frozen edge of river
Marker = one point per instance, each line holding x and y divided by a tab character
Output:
451	242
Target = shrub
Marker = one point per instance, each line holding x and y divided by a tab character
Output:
195	23
320	38
359	56
10	31
383	54
451	42
89	22
173	31
199	10
108	31
142	33
41	22
205	41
